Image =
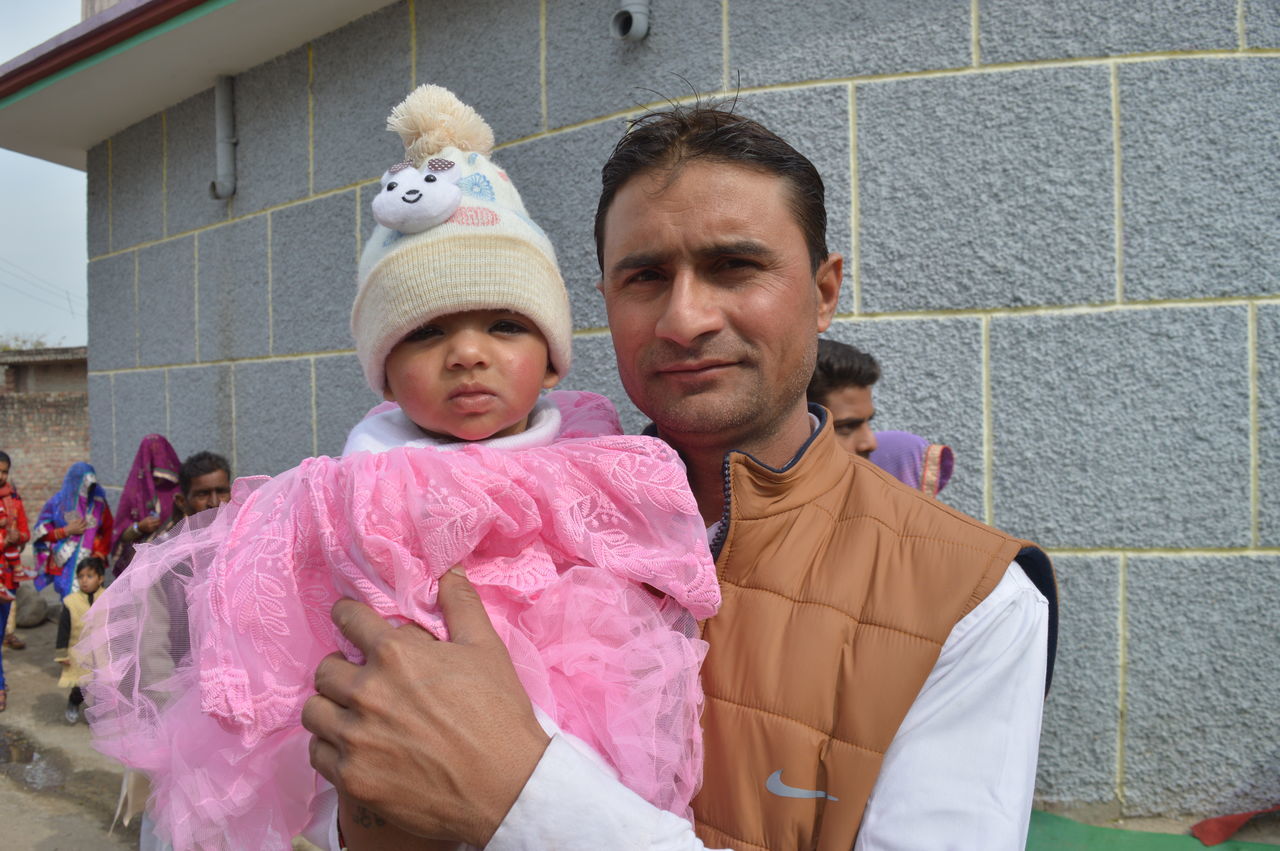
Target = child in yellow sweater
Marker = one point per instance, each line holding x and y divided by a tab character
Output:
75	606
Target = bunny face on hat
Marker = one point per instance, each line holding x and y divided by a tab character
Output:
413	200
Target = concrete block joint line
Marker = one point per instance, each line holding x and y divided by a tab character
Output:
1047	218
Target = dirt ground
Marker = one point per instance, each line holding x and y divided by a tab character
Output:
57	792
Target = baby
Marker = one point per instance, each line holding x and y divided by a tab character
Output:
585	545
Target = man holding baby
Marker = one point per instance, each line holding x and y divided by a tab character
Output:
877	669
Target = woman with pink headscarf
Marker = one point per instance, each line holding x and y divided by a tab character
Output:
913	460
146	503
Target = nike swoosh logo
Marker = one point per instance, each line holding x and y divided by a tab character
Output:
775	785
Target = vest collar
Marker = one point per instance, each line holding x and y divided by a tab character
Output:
820	461
820	464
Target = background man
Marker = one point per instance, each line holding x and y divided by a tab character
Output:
841	383
876	672
203	482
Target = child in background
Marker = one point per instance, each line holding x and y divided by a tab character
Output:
75	606
586	546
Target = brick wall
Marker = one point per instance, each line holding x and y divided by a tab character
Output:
1060	231
44	434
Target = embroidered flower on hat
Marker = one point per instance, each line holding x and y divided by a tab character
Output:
475	216
477	186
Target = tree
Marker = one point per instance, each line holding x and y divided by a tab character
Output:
18	342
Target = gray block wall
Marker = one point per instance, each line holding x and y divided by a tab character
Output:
1060	230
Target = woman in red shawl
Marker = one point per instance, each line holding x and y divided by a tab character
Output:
146	503
14	534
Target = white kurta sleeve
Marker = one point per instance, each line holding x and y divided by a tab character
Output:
573	802
961	770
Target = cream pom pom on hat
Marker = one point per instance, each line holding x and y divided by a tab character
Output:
452	235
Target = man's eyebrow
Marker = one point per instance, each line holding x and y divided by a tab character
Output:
740	248
851	422
639	260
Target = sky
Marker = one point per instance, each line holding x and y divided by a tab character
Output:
43	246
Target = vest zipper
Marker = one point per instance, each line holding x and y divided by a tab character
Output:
718	541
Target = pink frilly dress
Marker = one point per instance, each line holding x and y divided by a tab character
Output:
589	554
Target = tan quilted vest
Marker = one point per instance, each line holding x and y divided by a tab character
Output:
840	586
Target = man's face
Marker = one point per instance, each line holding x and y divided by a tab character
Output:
712	302
4	472
851	410
207	491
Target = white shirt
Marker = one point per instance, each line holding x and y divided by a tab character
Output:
959	774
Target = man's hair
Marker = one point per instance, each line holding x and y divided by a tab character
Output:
200	464
840	365
4	459
92	563
671	138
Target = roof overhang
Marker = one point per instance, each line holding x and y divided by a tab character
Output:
139	57
39	356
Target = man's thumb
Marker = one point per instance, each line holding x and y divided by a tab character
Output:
463	611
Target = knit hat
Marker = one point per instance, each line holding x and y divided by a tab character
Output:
452	236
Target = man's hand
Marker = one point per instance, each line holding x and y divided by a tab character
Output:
148	524
437	737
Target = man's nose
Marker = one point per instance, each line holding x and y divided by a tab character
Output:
691	310
864	441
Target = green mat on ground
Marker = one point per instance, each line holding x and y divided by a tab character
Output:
1055	833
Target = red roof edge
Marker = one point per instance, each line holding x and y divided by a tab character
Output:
92	36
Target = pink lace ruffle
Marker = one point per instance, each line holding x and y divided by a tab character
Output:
589	554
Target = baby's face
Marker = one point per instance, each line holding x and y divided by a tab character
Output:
472	375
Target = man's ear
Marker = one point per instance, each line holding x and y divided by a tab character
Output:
181	501
827	280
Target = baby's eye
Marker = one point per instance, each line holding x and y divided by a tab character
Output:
392	185
426	332
430	178
509	326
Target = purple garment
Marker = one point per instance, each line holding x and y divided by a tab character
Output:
149	490
913	460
